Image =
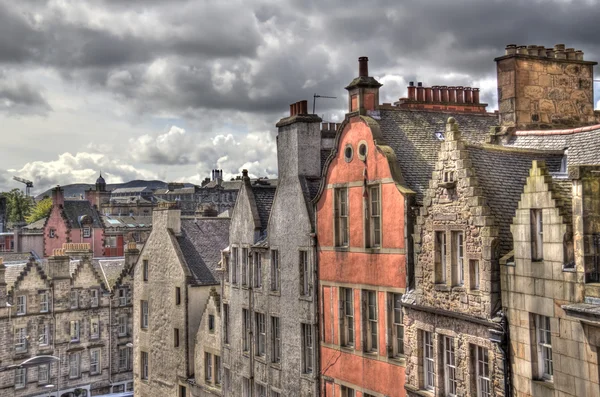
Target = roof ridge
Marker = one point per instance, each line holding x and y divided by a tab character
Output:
513	149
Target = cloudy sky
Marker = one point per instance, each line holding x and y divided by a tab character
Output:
171	89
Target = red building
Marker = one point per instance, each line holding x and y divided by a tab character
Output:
362	256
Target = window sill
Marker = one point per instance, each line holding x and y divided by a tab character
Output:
275	293
342	249
370	353
398	360
543	382
476	292
459	288
442	287
347	348
306	298
261	359
419	392
276	366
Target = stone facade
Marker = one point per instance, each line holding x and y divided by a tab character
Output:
547	293
541	88
65	309
208	378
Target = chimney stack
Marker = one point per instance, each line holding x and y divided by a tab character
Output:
59	265
452	94
468	95
412	91
420	92
460	98
436	93
363	67
58	197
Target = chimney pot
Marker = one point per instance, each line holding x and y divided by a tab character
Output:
419	84
363	66
428	94
452	94
550	52
571	53
522	50
475	95
460	98
412	91
244	174
541	51
436	93
444	93
411	84
468	95
292	109
511	49
420	92
303	107
532	50
559	47
579	55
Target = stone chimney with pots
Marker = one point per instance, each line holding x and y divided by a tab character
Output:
363	91
545	88
442	98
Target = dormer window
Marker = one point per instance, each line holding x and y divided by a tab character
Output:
448	181
87	232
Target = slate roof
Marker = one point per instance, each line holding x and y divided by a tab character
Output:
263	196
584	147
502	175
16	256
129	200
563	191
73	209
411	134
13	271
130	190
201	243
39	224
115	221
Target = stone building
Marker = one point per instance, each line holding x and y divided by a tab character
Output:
67	307
173	280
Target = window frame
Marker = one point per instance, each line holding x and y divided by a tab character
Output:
261	334
258	274
94	320
87	232
217	369
537	234
341	217
211	323
234	265
124	358
374	212
307	348
245	268
428	361
347	337
275	340
450	380
77	366
44	335
74	299
544	349
20	339
145	269
397	324
226	323
144	366
483	382
370	321
440	256
98	369
21	305
458	258
304	266
246	327
144	313
20	378
41	369
208	372
176	337
177	296
275	271
122	325
75	330
44	302
94	297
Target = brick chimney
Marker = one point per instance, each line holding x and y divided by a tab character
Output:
58	195
544	88
442	98
132	254
363	91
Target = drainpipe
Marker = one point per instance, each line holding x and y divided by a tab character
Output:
316	290
501	338
249	281
110	337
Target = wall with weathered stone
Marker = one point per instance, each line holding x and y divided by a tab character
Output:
207	341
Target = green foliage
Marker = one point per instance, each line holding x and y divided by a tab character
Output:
18	206
40	210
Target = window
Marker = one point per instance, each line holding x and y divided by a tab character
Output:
217	370
234	265
44	302
428	364
144	364
245	387
370	320
274	270
94	298
74	299
307	348
43	373
537	231
246	329
87	232
304	274
118	389
52	233
374	217
208	367
474	273
449	366
211	323
275	393
177	296
397	326
226	323
261	334
145	269
20	340
75	331
341	217
275	340
182	391
440	257
123	297
74	365
226	380
482	372
458	269
21	304
244	266
348	152
44	335
544	347
176	337
124	358
348	392
129	386
261	390
257	270
94	328
122	325
347	318
20	378
95	361
144	314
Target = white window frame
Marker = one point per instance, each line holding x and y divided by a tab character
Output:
304	273
234	265
21	339
122	325
124	358
397	320
208	377
87	232
75	331
123	296
348	392
74	365
21	305
275	339
375	216
441	250
458	256
94	321
428	361
261	334
537	234
145	312
94	301
275	271
74	299
341	217
451	383
95	359
347	311
44	302
482	372
43	371
370	321
20	378
544	347
44	335
307	348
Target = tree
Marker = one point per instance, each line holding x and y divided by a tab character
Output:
40	210
18	206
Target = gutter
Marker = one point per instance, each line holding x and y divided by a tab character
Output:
459	316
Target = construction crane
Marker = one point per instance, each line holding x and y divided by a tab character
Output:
28	184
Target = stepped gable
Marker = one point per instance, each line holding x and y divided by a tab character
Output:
502	174
201	242
412	136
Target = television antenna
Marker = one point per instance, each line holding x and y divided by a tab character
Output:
315	96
